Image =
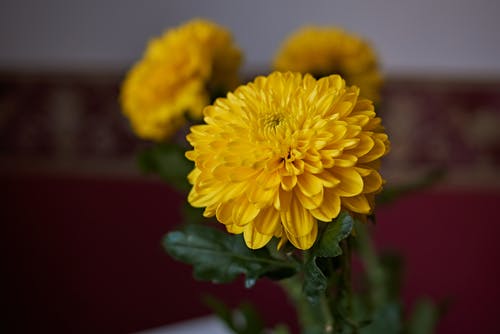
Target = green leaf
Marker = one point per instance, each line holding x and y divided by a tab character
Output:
220	257
335	232
167	161
315	281
327	246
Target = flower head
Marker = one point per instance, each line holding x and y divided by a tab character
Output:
284	152
322	51
178	74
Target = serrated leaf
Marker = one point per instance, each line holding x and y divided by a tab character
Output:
335	232
167	161
315	280
220	257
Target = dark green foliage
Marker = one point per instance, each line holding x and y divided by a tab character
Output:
315	282
219	257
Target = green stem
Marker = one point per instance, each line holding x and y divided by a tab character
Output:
327	314
343	303
333	311
374	272
313	317
346	271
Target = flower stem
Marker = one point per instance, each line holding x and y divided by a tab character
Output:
327	314
313	318
374	272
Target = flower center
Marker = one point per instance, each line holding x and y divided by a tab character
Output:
290	155
273	120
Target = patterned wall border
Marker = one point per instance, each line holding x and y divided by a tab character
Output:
71	123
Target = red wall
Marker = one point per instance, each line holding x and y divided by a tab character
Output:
83	255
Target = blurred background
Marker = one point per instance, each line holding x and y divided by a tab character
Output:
82	227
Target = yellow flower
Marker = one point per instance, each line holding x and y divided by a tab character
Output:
284	152
178	74
322	51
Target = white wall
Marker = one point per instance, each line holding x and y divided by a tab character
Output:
423	36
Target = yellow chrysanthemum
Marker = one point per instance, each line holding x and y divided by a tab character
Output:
178	74
284	152
323	51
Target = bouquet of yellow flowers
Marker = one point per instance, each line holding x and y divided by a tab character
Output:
289	163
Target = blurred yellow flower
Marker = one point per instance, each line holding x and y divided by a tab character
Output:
284	152
323	51
179	73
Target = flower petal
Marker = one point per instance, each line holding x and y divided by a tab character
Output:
309	202
260	197
253	238
233	173
282	200
243	211
305	241
309	184
330	207
267	221
235	229
297	221
357	204
364	146
351	182
346	160
328	179
224	213
372	182
288	182
268	179
377	151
